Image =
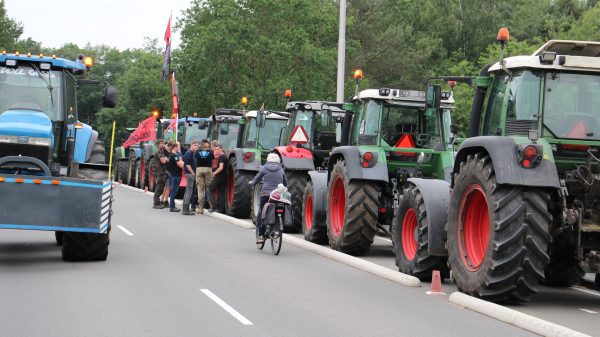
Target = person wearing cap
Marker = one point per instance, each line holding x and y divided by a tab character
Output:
272	175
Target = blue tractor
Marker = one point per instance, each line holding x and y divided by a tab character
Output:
50	162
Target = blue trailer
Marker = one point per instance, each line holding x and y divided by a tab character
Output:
53	175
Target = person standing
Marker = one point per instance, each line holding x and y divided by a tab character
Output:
174	166
160	172
219	182
204	176
189	168
167	191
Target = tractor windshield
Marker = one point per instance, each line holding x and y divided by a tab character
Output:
192	132
227	134
399	126
572	105
268	138
304	119
22	89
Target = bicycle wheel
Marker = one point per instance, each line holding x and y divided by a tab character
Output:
258	245
276	238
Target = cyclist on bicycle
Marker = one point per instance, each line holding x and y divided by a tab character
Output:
272	175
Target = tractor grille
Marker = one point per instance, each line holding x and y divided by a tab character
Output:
40	152
519	127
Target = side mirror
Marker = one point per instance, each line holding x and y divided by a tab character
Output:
261	118
454	129
433	97
109	100
325	115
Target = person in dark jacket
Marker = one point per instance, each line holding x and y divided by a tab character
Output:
272	175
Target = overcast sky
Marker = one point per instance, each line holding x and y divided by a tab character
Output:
118	23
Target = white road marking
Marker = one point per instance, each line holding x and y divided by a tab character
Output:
588	311
226	307
384	239
125	230
587	291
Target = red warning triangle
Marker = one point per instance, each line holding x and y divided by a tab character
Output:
299	135
406	141
579	130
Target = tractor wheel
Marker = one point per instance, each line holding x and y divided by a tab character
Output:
131	171
121	172
150	175
85	246
497	234
410	238
97	156
296	181
137	174
238	191
597	281
312	231
59	238
256	203
352	211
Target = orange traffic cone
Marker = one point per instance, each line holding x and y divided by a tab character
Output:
436	284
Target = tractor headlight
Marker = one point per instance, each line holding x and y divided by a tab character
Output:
8	139
25	140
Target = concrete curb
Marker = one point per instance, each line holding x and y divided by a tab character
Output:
369	267
513	317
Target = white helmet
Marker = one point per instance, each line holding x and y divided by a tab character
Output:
273	158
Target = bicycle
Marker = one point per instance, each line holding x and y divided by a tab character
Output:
274	232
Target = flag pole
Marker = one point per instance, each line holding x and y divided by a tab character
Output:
112	146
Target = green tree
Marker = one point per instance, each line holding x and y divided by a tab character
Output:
11	29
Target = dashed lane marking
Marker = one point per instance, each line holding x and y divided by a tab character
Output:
226	307
125	230
588	311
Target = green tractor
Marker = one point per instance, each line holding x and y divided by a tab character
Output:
396	157
525	200
312	131
258	133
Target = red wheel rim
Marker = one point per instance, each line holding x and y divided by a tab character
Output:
230	188
308	212
409	226
337	206
474	230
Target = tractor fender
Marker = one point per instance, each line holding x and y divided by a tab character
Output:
436	196
252	165
319	181
120	153
297	159
352	154
503	153
91	142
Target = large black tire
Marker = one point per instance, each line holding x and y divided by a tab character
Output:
410	238
296	181
509	264
150	174
238	191
85	246
121	172
59	238
352	211
310	228
597	281
137	175
98	156
131	171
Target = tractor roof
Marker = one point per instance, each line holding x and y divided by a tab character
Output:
403	97
56	62
314	105
270	114
561	55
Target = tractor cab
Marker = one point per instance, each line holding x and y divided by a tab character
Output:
411	135
263	137
189	129
314	125
38	110
225	127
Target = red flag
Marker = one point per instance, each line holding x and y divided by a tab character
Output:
168	33
146	131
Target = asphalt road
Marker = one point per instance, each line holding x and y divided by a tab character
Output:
164	279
